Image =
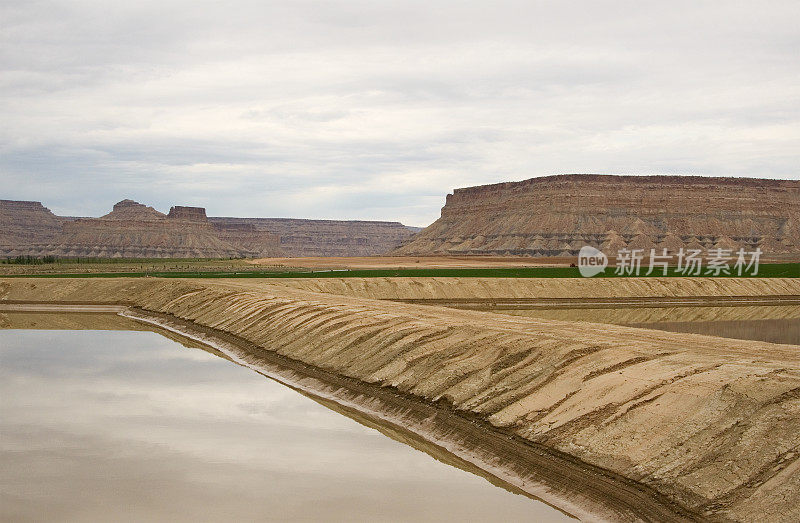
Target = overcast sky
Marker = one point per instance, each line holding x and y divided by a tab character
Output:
377	109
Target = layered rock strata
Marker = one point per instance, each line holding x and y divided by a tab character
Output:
27	223
329	237
557	215
134	230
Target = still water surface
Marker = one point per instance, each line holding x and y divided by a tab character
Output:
131	426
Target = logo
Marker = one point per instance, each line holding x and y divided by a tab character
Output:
688	262
591	261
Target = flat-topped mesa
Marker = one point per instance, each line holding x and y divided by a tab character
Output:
22	205
25	223
557	215
130	230
192	214
134	230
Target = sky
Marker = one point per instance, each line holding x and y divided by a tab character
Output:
377	109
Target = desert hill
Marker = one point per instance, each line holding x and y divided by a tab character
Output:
24	223
134	230
328	237
557	215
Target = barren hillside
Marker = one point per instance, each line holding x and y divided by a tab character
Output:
134	230
557	215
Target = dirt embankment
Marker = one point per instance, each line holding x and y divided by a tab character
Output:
61	321
481	288
711	424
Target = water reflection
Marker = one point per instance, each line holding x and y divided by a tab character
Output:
127	425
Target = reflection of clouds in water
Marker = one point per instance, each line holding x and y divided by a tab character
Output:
148	482
97	420
214	397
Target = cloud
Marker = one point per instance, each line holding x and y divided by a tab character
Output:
370	110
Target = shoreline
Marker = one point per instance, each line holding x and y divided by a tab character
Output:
605	422
510	459
576	488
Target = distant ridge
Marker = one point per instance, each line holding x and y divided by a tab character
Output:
131	210
557	215
134	230
301	237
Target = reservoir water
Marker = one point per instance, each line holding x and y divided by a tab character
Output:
121	423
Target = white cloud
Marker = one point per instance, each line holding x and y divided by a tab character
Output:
383	107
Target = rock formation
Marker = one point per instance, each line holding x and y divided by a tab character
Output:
26	223
131	210
246	236
189	214
158	237
329	237
134	230
557	215
130	230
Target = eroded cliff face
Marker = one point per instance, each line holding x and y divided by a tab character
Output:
163	238
130	230
189	214
25	223
257	242
134	230
329	237
557	215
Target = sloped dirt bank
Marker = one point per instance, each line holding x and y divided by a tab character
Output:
707	424
465	441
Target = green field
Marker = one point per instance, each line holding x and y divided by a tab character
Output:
773	270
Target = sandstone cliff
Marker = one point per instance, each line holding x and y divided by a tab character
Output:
163	238
329	237
130	230
557	215
134	230
189	214
257	242
26	223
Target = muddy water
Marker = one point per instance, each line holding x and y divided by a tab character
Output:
775	324
128	425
